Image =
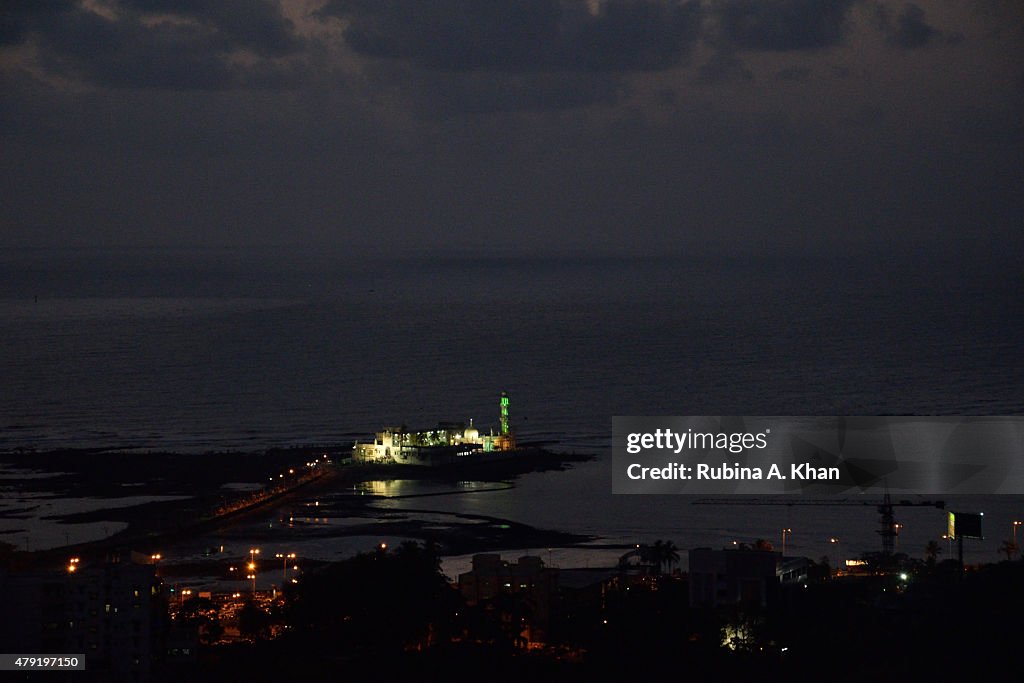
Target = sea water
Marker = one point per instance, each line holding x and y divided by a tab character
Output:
226	349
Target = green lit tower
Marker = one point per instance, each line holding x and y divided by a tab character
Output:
504	414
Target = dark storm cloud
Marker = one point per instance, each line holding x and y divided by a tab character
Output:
780	25
258	25
141	48
18	18
911	30
453	34
639	35
128	54
521	35
517	41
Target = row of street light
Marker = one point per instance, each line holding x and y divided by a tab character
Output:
897	527
284	557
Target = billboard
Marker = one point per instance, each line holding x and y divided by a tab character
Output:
964	525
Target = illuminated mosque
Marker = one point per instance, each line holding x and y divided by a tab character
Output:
445	444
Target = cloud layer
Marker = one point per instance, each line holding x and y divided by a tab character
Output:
182	44
596	124
522	35
178	44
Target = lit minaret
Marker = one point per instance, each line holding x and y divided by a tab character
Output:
504	414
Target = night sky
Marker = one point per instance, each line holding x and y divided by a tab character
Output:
540	126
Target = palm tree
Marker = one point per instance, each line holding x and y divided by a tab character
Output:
645	553
932	551
660	555
670	554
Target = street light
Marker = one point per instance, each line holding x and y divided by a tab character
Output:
253	552
834	540
785	532
284	562
1015	525
896	536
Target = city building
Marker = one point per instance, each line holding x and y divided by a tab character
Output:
748	577
114	612
523	591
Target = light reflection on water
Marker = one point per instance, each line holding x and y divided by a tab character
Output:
398	488
579	501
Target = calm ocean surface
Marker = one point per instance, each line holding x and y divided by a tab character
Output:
219	350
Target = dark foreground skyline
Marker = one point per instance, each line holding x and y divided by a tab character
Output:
607	126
